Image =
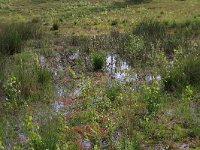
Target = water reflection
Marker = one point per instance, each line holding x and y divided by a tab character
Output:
123	72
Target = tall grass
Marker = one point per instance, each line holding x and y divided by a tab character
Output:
98	60
28	80
186	72
150	28
13	36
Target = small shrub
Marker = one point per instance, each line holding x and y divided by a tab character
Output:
98	60
135	46
29	31
162	12
126	143
35	20
1	146
48	136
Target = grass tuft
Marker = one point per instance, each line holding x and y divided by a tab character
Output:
98	60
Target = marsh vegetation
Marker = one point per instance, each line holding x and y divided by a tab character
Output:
83	75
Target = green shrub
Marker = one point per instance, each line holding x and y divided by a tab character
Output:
2	66
85	117
29	31
53	133
11	89
135	47
98	60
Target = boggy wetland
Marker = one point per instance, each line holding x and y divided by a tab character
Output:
96	74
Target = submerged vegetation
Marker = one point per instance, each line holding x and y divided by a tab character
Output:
132	88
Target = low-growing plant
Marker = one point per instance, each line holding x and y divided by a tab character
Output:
126	143
1	146
174	80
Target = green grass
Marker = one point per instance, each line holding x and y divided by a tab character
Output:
25	81
98	60
92	17
13	36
